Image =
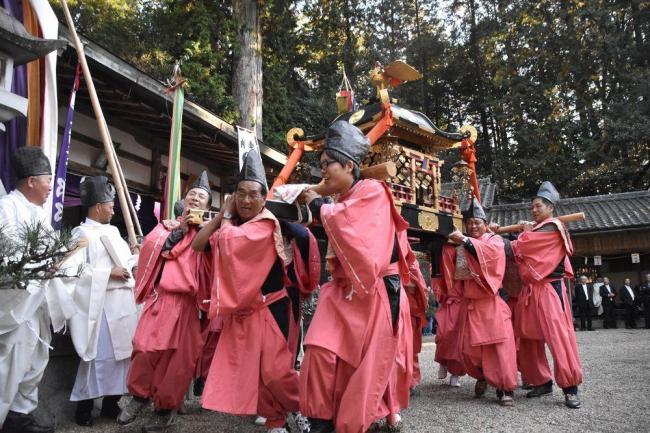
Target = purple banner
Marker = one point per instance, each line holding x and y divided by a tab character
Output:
62	165
15	135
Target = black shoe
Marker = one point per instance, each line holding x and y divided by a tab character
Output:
110	407
591	329
540	390
83	415
21	423
321	425
527	386
572	401
84	419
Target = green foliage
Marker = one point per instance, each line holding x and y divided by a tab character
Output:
558	89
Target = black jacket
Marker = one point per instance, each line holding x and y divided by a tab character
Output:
580	295
605	295
626	298
644	292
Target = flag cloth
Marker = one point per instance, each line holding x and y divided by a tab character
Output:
247	141
62	165
173	183
49	120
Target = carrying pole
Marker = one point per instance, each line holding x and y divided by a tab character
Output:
103	130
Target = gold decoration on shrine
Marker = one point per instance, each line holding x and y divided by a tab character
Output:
428	221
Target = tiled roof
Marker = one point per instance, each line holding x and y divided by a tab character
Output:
604	212
487	188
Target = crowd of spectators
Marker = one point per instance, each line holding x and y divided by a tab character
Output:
602	300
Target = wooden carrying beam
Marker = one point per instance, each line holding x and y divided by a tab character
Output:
580	216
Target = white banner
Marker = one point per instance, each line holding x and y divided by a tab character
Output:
247	141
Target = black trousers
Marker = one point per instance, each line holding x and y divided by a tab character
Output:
630	316
646	313
585	315
609	314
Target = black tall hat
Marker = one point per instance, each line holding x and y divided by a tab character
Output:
548	191
30	161
96	189
475	210
253	169
203	183
348	140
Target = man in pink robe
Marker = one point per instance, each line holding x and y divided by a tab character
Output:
543	314
253	367
449	294
352	341
168	339
487	342
418	300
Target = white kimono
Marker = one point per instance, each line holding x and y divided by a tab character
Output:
24	321
104	314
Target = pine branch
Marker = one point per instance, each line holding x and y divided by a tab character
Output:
34	253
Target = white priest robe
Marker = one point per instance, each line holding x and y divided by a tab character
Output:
24	321
104	314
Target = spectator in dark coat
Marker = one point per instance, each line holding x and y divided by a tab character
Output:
608	294
644	296
630	301
585	299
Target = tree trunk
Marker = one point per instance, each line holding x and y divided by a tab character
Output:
247	87
424	105
483	145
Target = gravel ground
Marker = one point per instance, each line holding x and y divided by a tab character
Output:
615	397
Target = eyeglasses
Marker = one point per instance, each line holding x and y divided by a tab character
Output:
201	195
252	196
326	163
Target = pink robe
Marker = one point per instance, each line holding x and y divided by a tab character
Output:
253	367
541	315
487	340
413	302
168	339
418	300
449	295
351	344
397	394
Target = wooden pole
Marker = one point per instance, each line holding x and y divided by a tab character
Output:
103	128
580	216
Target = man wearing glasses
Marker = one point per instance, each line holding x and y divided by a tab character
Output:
253	367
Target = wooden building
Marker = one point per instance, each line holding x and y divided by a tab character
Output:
138	112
